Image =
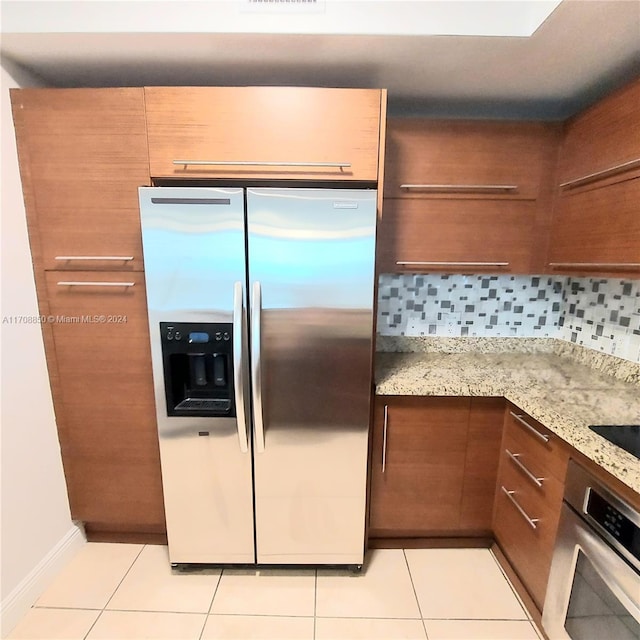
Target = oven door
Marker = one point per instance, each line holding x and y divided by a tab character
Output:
592	592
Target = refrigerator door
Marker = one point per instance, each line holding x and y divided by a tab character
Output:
311	275
195	270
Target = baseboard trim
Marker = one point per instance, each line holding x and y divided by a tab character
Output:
23	597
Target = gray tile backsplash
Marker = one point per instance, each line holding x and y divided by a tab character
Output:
602	314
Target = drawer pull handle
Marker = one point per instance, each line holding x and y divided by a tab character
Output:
419	263
598	175
461	188
531	428
95	284
585	265
257	163
532	522
112	258
515	458
384	437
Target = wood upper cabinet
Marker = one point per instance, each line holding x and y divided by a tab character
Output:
466	196
596	218
105	407
83	155
275	132
533	465
434	464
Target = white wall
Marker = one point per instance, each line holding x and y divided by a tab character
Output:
37	533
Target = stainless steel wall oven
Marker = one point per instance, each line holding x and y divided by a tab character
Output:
594	584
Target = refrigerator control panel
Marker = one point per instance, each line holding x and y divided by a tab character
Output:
197	363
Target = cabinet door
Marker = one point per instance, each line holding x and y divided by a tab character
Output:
602	142
446	235
597	230
83	155
475	160
263	132
418	465
486	420
105	408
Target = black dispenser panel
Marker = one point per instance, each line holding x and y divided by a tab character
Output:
198	368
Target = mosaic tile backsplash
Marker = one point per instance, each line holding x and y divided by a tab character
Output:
602	314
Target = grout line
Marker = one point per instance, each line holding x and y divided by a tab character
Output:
208	613
415	594
315	603
513	589
114	591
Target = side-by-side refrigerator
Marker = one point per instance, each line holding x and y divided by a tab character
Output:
261	319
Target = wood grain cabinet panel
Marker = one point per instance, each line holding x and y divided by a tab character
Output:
263	125
529	490
83	154
448	235
434	466
466	196
596	216
604	136
106	409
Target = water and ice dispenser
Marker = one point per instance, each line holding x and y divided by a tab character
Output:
198	368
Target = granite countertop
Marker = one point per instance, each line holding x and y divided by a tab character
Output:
564	387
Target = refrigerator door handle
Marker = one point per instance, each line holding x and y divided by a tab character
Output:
238	365
256	374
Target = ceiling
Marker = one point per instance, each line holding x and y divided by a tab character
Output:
585	49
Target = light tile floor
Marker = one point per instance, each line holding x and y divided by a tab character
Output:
128	592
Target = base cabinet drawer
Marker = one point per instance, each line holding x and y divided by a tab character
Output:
529	490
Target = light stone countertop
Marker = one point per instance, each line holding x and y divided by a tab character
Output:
547	380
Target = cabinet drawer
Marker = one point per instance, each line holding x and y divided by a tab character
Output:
541	450
457	159
427	235
529	550
237	132
83	154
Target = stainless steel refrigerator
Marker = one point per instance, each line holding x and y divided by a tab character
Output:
261	320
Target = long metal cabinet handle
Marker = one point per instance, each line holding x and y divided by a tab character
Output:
401	263
532	429
515	458
259	163
461	188
610	265
384	437
238	365
73	283
532	522
604	173
111	258
256	373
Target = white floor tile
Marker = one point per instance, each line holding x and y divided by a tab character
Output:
257	628
369	629
139	625
462	584
54	624
150	585
91	577
480	630
383	590
267	592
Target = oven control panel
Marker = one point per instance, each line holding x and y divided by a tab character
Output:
615	523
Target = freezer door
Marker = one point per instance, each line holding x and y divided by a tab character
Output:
311	275
195	270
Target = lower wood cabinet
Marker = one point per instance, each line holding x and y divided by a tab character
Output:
104	401
533	464
434	466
